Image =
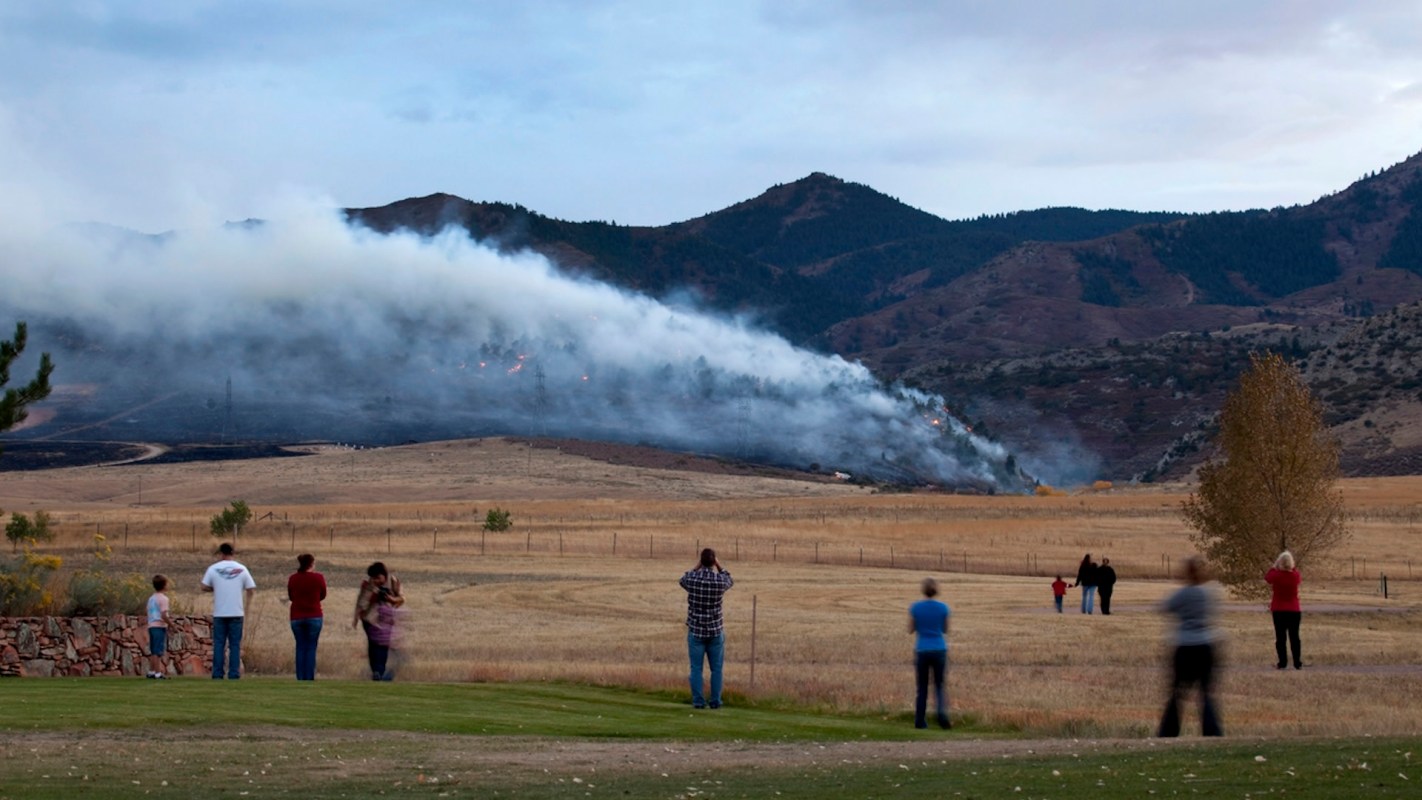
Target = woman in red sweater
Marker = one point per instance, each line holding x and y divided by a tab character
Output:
1284	578
306	589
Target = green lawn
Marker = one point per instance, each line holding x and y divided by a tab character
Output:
277	738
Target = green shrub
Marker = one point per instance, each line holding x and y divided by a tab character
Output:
95	592
24	584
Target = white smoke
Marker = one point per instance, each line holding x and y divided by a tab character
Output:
328	331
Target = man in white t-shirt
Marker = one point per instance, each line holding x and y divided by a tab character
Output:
231	585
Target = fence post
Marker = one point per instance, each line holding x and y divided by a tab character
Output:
817	552
891	556
483	534
1384	586
754	601
614	542
389	543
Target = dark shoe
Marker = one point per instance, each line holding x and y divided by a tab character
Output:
945	724
1281	666
714	706
1296	666
920	724
698	706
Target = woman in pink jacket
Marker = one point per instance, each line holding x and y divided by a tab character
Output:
1284	578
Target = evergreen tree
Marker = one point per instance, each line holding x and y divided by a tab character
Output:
14	401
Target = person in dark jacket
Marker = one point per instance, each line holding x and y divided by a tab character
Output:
1105	584
1086	579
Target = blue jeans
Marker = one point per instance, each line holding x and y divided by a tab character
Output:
711	649
926	662
1058	599
1088	599
376	653
227	641
307	633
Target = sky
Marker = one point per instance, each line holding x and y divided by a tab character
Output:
162	115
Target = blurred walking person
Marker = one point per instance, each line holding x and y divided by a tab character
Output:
1195	607
928	619
379	588
306	588
705	584
1284	579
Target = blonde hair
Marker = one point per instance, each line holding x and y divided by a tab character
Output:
1284	561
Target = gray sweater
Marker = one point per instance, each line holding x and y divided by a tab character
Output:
1196	610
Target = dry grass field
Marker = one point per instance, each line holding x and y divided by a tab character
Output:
584	586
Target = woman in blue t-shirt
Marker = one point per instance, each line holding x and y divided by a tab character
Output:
928	618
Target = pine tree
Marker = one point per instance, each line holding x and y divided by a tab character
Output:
1273	485
14	401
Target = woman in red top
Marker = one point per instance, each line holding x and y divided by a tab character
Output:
1284	578
306	589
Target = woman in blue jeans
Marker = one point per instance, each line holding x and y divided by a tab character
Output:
928	619
306	588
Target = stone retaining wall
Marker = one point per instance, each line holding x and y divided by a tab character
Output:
116	645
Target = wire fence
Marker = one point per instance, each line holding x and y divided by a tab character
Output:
616	536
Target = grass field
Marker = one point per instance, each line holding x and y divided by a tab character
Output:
273	738
571	626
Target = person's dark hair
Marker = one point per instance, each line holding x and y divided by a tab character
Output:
378	568
930	587
708	557
226	549
1086	559
159	583
304	562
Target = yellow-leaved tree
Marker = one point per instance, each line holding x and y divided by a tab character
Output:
1272	485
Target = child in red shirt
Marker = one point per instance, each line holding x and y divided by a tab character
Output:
1059	588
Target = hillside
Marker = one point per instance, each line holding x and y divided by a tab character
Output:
1093	344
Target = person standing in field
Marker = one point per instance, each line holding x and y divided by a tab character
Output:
706	585
378	588
231	586
1195	607
1086	579
1284	579
158	620
928	619
1105	583
1059	588
306	588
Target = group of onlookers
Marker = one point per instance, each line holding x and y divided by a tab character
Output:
1092	578
1195	607
377	611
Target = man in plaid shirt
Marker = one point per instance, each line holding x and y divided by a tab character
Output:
705	630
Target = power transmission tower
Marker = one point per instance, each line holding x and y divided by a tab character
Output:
540	400
227	415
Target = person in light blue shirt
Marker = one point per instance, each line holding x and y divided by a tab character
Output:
928	620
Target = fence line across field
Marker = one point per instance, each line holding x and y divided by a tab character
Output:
569	538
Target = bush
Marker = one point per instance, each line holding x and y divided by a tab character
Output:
22	530
24	585
232	519
93	592
498	520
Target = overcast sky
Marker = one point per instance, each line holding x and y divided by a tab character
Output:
157	115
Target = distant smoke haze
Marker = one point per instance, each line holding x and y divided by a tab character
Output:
333	332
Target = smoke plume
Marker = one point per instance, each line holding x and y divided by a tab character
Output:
332	332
